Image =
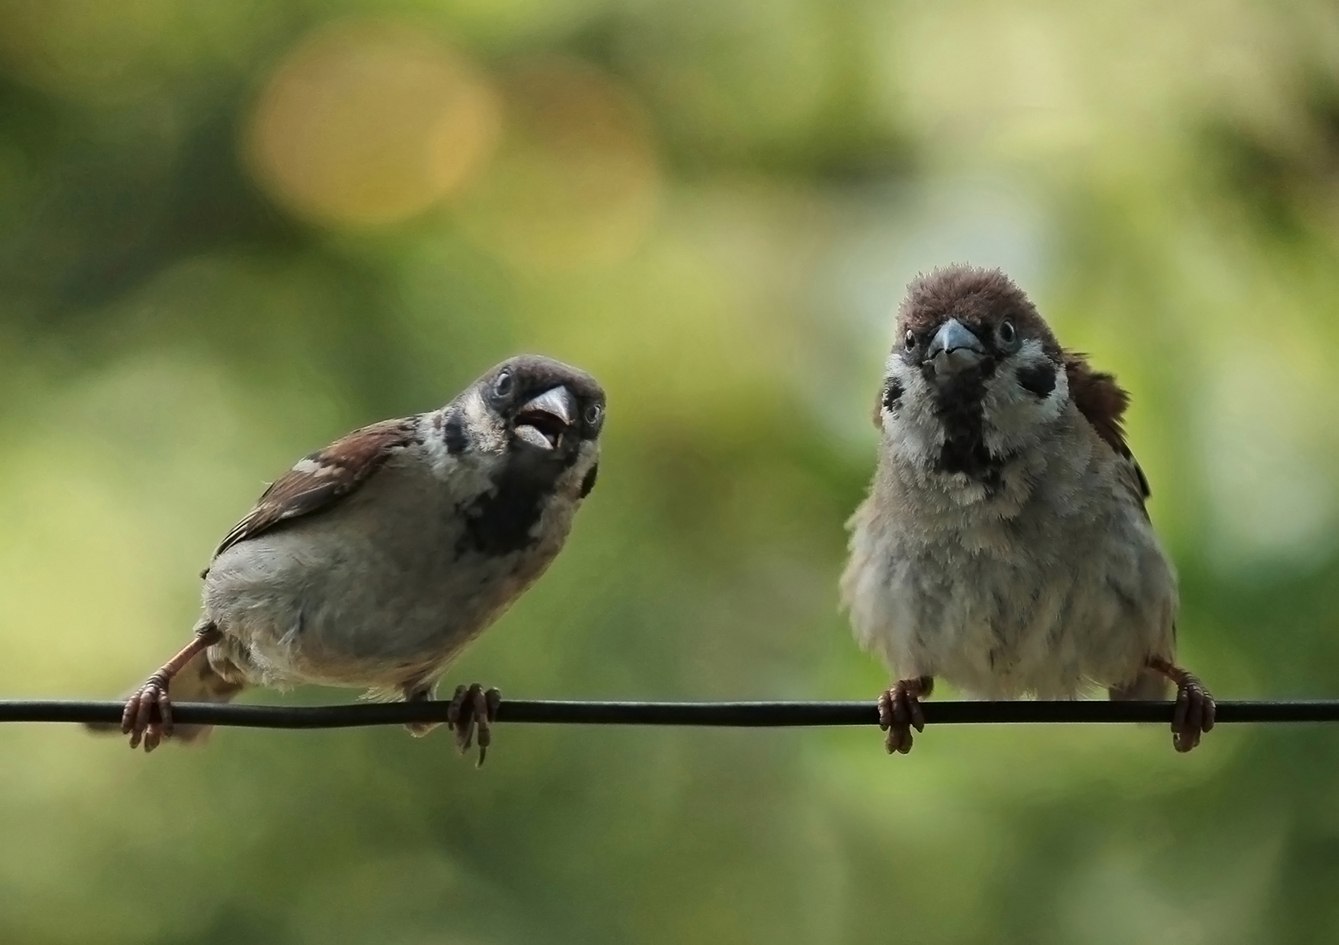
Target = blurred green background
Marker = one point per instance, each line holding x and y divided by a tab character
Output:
232	231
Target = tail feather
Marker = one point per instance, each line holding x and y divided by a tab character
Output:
198	681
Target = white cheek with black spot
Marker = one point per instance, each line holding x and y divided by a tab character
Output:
1014	416
911	429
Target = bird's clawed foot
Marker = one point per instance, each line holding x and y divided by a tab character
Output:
147	716
1194	712
900	712
148	712
470	716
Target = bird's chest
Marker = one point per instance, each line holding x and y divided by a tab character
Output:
1041	603
985	614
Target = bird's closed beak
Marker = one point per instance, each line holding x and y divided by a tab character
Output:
953	349
541	422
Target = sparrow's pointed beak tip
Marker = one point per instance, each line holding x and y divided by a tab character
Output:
953	349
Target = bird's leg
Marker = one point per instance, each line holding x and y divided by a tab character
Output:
472	710
148	712
1195	710
900	711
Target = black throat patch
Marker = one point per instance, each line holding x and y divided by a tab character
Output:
502	522
961	411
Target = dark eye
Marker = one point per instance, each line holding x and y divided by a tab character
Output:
502	386
1007	333
910	341
594	414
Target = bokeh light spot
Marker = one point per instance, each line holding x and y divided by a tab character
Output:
370	122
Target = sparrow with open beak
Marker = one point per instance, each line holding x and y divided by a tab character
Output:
374	561
1004	545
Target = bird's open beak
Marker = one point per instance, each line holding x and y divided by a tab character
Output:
953	349
543	421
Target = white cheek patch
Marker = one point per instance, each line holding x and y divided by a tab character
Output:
1015	417
911	429
588	454
485	428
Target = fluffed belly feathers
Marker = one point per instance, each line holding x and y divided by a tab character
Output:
987	611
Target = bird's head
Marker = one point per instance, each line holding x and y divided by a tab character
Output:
975	374
539	415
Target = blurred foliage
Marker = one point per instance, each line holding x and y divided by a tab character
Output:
232	231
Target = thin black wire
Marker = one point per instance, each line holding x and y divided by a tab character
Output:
734	714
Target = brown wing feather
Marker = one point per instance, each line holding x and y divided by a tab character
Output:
1102	402
322	478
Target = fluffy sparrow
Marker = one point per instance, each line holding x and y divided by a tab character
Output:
374	561
1004	545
